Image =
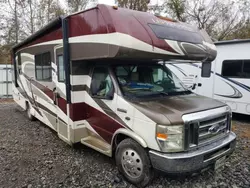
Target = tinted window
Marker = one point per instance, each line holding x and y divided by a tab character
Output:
61	72
80	67
206	69
43	67
246	68
39	67
46	64
101	84
236	68
169	32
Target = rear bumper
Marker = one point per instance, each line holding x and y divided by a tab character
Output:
193	160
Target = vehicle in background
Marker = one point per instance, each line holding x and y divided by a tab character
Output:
229	79
96	77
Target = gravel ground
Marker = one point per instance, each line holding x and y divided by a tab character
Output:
31	155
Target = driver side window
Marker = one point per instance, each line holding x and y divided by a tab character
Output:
101	84
159	75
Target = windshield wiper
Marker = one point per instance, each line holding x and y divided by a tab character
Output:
186	92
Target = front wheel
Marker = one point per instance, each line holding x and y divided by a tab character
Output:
133	162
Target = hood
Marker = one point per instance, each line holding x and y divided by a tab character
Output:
169	110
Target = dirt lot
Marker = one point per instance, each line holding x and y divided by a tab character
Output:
31	155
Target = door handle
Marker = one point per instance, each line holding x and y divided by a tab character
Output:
127	118
121	110
199	85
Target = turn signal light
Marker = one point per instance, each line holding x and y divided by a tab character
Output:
162	136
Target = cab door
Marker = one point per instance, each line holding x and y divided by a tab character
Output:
102	103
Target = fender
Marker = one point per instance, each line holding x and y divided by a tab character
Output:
130	134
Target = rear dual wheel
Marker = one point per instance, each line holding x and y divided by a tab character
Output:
133	162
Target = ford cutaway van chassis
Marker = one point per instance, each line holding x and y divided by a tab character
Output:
96	77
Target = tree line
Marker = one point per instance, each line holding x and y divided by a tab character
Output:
222	20
22	18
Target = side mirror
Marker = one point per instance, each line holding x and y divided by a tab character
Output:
206	69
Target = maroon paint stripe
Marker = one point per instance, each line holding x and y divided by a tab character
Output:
106	135
53	35
94	22
104	125
62	103
78	111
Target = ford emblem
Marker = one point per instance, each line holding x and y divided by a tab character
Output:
214	129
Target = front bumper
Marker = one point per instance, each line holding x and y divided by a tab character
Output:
193	160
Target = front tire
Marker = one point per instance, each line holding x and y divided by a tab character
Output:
29	115
133	163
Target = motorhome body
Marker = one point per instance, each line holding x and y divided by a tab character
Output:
95	78
229	80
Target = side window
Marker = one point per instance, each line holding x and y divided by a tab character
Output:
158	75
43	66
232	68
101	84
39	67
236	68
206	69
60	65
46	66
246	68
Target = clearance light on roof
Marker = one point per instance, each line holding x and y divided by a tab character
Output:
165	18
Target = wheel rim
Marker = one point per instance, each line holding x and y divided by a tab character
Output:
132	163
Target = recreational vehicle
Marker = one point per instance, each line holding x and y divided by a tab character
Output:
96	78
229	78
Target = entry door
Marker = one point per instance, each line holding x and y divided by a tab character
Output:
204	80
60	95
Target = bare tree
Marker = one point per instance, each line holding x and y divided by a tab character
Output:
220	19
77	5
141	5
176	8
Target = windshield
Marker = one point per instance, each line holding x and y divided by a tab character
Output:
149	80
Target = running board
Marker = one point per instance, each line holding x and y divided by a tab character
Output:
97	144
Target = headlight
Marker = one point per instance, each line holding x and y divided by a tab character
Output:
170	138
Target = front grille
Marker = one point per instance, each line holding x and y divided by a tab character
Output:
202	131
210	129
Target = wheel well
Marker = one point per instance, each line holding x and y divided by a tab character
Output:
118	138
